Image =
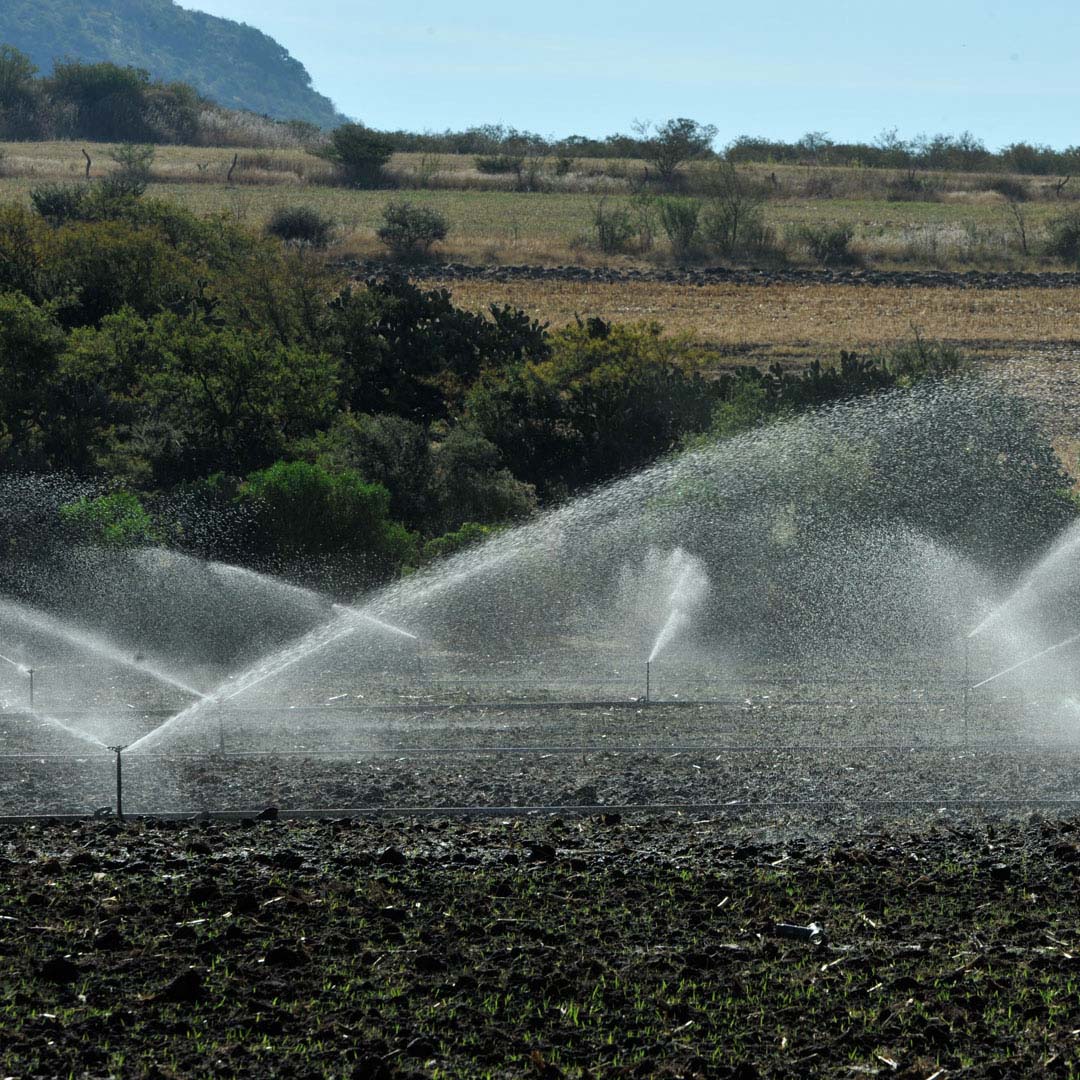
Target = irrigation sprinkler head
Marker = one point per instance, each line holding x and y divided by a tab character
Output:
118	750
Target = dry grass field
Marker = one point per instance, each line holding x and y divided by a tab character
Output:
962	223
1031	335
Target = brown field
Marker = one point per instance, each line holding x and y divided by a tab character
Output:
1030	338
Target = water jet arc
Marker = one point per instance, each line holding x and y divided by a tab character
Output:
1028	660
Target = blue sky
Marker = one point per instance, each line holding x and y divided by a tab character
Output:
1003	70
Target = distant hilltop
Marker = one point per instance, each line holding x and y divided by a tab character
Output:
232	63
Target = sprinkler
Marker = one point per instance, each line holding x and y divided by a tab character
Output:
419	661
647	663
118	750
30	672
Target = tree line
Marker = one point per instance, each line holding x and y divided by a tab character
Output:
226	393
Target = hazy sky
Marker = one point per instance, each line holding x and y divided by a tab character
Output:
1002	69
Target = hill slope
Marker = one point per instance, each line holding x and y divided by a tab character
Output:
235	64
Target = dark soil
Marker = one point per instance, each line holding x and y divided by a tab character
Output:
599	945
720	275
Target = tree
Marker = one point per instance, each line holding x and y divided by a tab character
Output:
302	513
360	153
409	230
108	100
30	347
675	142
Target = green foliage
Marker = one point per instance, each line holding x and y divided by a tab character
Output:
472	484
613	227
681	221
675	142
117	520
500	164
413	353
301	225
732	223
1064	242
360	152
133	175
409	230
469	535
829	245
609	399
22	110
31	343
304	511
434	485
60	203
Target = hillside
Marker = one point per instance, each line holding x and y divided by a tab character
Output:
234	64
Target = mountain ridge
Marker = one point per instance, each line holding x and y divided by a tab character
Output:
234	64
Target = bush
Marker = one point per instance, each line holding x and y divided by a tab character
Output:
679	218
300	225
613	227
1009	188
60	203
469	535
118	520
500	164
1064	240
304	511
829	244
675	142
131	179
360	153
409	230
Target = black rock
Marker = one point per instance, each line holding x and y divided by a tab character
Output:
269	814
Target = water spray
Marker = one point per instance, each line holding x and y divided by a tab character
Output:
1028	660
25	671
118	750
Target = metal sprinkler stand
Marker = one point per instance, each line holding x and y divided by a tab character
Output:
647	677
30	672
419	661
118	750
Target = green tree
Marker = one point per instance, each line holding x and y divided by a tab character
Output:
360	153
675	142
31	343
303	512
117	520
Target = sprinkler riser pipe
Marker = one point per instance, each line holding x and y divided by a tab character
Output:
647	681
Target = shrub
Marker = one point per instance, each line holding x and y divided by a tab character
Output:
131	179
469	535
360	153
303	511
829	244
674	142
300	225
1064	240
910	187
1009	187
613	227
409	230
679	218
117	520
60	203
500	164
